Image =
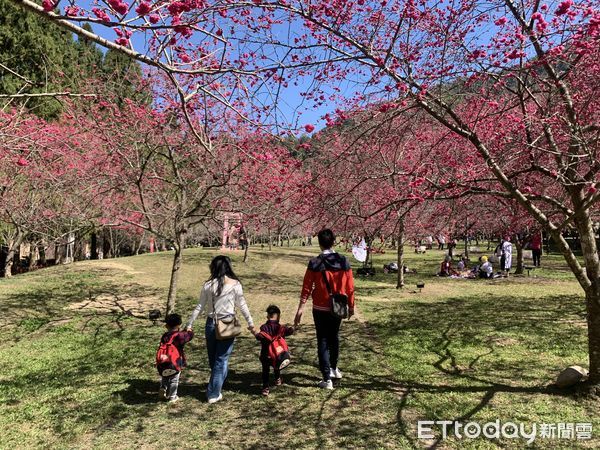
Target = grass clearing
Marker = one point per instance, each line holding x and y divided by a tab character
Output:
79	352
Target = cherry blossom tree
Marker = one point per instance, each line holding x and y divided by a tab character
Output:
161	179
275	193
369	173
41	187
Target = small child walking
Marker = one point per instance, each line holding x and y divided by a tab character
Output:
274	351
170	358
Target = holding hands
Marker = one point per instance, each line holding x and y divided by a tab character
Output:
299	313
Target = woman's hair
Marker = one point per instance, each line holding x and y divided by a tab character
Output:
220	267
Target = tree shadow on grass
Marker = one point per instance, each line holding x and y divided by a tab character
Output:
141	391
51	304
464	336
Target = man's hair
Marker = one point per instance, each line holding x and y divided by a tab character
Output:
272	310
173	320
326	238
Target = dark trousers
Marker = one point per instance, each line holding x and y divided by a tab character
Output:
266	370
328	341
537	256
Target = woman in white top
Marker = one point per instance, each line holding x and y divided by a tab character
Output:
506	259
219	298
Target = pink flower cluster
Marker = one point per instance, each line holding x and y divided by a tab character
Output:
123	36
101	14
143	8
48	5
119	6
564	7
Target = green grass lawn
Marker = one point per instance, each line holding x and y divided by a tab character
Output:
77	355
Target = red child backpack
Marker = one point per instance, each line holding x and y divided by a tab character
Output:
278	350
168	358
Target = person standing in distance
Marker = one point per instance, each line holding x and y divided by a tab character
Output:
339	275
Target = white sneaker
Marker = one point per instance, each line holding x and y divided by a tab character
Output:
215	400
173	399
325	384
335	374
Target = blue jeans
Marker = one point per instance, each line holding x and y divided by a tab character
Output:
218	358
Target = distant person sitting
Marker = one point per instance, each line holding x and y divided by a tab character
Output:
486	270
446	269
390	268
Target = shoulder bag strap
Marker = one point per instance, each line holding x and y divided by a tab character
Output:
173	336
325	276
212	299
268	336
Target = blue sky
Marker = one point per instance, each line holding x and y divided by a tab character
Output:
291	106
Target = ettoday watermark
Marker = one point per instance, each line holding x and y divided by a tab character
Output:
504	430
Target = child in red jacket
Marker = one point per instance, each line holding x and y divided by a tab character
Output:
170	370
269	332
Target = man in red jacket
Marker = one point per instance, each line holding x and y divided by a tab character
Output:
339	274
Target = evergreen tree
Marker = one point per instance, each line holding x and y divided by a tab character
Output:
89	56
123	76
37	50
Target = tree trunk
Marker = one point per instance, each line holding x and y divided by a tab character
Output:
587	239
94	246
42	253
58	253
113	244
466	247
400	262
177	260
139	245
592	300
246	251
270	241
519	245
106	250
32	260
12	250
79	248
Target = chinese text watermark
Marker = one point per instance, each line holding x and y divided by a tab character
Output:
505	430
